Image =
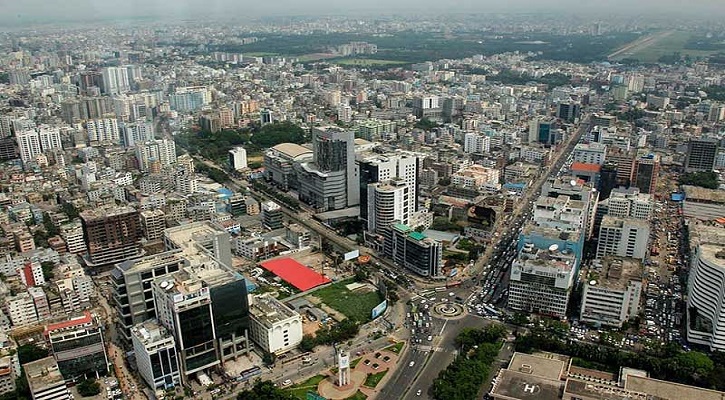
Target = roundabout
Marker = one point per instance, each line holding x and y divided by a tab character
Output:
448	310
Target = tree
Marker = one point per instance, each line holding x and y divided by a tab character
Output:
48	270
30	352
89	388
269	358
264	390
307	343
70	210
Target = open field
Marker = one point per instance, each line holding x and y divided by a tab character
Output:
260	54
373	379
300	390
355	305
650	49
366	62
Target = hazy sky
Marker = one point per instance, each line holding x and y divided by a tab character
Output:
29	10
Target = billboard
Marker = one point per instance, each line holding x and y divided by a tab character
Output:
677	196
350	255
380	309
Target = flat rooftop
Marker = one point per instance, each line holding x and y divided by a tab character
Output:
43	374
670	390
703	195
105	212
268	310
515	385
149	331
541	365
611	221
616	272
593	390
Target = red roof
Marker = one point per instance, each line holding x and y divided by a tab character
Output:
85	319
585	167
295	273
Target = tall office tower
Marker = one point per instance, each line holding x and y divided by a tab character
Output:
623	237
115	80
265	117
568	111
137	132
542	131
185	177
157	360
427	107
132	294
45	380
7	149
153	223
615	295
272	216
384	167
701	154
414	251
645	172
183	306
161	152
49	138
238	158
389	202
706	288
607	179
629	203
29	144
78	347
635	83
330	181
103	130
541	280
112	235
476	143
590	153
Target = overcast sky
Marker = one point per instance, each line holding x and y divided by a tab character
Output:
49	10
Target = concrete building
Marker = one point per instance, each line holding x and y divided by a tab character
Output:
623	237
279	161
153	223
703	204
28	144
156	356
238	158
612	291
388	202
628	203
413	250
541	280
329	182
272	215
255	247
701	154
72	234
21	310
103	130
112	235
274	327
706	288
78	347
155	154
375	168
645	172
132	296
45	380
476	177
590	153
476	143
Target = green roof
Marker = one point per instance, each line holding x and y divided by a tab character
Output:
402	227
417	235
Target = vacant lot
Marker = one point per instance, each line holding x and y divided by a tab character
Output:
664	45
355	305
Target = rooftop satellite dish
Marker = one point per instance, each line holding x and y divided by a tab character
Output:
592	282
164	284
573	182
553	247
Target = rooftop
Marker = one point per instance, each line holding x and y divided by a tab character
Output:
149	331
694	193
617	272
515	385
542	365
84	319
43	374
617	222
670	390
292	150
585	167
268	310
105	212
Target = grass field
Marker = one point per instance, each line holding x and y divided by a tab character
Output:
357	305
396	347
373	379
259	54
665	45
366	62
300	390
357	396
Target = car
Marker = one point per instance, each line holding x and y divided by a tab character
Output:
412	363
430	338
386	358
366	362
287	382
376	366
377	355
418	392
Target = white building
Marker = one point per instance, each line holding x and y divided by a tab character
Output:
238	158
476	143
156	357
623	237
706	288
103	130
541	280
160	152
561	213
476	176
21	310
590	153
185	177
115	80
275	327
138	132
28	144
629	203
72	233
388	202
612	291
31	274
49	138
255	247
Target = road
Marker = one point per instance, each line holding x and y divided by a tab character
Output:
639	44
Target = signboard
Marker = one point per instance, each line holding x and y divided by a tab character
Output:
343	361
380	309
351	255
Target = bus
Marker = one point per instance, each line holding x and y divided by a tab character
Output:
453	284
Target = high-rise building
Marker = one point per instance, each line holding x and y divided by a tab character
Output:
275	327
384	167
623	237
132	294
706	288
701	154
541	280
476	143
103	130
568	111
28	144
542	131
590	153
78	347
413	250
238	158
272	216
45	380
137	132
613	295
49	138
153	223
645	172
115	80
72	234
279	164
157	152
185	176
629	203
388	202
157	359
330	182
112	234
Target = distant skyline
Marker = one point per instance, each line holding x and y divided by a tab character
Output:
48	11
